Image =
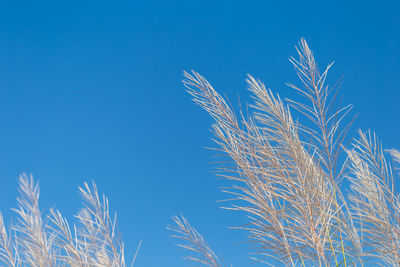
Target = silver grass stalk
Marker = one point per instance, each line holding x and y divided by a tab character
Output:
99	229
33	238
278	175
191	240
7	248
73	252
286	176
375	200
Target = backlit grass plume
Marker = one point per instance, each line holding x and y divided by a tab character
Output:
49	240
289	161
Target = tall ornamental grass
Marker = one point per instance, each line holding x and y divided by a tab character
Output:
290	166
311	198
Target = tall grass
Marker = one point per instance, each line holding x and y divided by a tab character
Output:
289	160
288	163
49	240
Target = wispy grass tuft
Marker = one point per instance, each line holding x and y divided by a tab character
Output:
48	240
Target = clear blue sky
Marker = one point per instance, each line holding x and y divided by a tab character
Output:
90	90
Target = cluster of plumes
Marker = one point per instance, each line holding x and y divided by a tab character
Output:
45	241
287	176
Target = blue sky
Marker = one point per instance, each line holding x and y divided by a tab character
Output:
90	90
